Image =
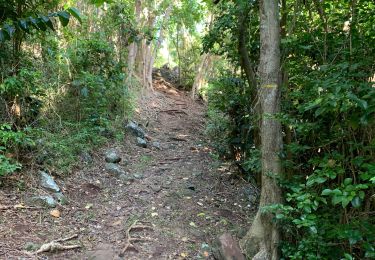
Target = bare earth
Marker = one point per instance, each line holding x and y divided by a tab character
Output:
180	201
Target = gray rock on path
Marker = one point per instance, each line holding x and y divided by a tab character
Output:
126	177
48	182
61	198
48	201
114	169
156	188
156	145
135	129
86	158
141	142
111	156
138	176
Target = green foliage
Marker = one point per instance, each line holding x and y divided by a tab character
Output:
36	21
62	93
59	149
10	141
328	121
230	122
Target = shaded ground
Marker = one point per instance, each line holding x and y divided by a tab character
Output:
181	195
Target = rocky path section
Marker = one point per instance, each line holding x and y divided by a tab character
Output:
166	198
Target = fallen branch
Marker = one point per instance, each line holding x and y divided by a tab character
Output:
173	111
173	159
19	206
180	139
130	240
55	245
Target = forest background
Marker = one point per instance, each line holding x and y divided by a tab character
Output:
70	71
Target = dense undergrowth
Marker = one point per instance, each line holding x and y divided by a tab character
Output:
61	95
65	92
328	112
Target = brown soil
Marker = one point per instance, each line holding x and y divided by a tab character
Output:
181	202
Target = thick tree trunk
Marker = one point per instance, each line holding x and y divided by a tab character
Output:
262	240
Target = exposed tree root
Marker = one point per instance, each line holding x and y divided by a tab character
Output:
130	240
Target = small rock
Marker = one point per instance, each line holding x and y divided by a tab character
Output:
43	201
141	142
135	129
126	178
86	158
156	145
228	248
114	169
48	182
111	156
155	188
41	158
138	176
61	198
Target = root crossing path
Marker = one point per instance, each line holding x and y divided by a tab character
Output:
178	201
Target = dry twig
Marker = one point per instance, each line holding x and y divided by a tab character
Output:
173	111
19	206
56	245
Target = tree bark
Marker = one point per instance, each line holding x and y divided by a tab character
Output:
248	68
133	47
261	242
147	52
200	76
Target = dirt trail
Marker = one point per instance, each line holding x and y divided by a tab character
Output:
183	198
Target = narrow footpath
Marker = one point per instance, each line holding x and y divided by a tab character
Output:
176	203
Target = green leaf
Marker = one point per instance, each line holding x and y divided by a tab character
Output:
313	229
75	13
326	192
23	25
360	102
64	17
9	29
3	35
356	202
47	21
361	195
345	201
41	24
336	200
33	22
348	181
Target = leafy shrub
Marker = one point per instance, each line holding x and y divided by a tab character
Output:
327	209
10	142
230	123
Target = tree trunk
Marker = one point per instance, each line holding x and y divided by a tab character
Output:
248	68
133	47
154	52
200	76
263	238
147	52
